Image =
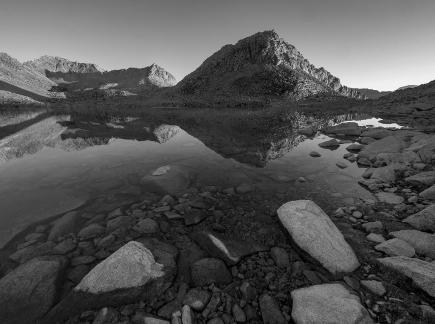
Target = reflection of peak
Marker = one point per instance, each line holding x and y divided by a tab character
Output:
164	133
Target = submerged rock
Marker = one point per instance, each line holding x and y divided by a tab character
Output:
316	234
333	143
29	291
209	270
389	198
64	225
327	303
421	272
225	248
349	129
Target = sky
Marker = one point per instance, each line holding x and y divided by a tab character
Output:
377	44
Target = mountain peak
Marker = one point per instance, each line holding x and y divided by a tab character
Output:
60	64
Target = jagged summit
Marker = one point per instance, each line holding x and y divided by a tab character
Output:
261	65
59	64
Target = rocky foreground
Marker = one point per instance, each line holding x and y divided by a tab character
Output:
225	255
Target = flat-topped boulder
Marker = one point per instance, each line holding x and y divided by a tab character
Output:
327	303
349	129
29	291
423	243
130	274
314	232
389	144
421	272
424	220
228	249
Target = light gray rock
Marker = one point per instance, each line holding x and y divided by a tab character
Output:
389	198
377	238
28	292
374	286
341	165
373	226
64	225
424	220
423	243
428	194
396	247
327	303
197	299
421	272
426	178
385	174
315	233
389	144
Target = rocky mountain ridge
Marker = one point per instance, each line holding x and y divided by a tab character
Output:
58	64
261	65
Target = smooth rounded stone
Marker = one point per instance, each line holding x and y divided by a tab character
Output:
133	265
385	174
197	299
424	220
238	314
228	249
341	165
396	247
377	238
244	188
426	178
209	270
315	154
327	303
280	256
314	232
374	286
333	143
373	226
421	272
91	231
33	251
270	311
147	226
65	246
428	194
389	144
118	222
423	243
355	147
389	198
106	241
29	291
64	225
186	315
106	315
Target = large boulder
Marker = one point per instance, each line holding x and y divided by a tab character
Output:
421	272
423	220
64	225
30	290
314	232
423	243
389	144
421	179
327	303
349	129
396	247
429	193
131	273
228	249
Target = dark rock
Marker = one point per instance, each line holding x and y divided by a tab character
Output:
64	225
91	231
206	271
197	299
33	251
270	311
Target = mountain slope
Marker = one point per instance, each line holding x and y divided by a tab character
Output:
260	66
132	79
372	94
59	64
18	78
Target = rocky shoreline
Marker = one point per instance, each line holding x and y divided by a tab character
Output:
225	255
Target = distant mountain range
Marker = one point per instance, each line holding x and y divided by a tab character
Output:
259	68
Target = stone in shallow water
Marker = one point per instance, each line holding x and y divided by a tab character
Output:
225	248
327	303
315	154
315	233
389	144
421	272
33	251
64	225
389	198
29	291
423	220
209	270
396	247
333	143
91	231
162	170
341	165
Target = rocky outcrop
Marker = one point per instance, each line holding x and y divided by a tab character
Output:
327	303
314	232
48	63
261	65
